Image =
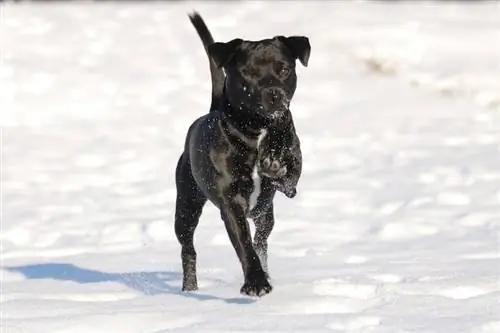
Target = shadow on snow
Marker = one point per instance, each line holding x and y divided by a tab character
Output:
148	283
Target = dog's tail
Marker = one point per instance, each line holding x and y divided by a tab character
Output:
216	73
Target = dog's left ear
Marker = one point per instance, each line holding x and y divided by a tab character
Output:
222	53
300	47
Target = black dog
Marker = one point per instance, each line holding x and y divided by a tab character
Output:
243	151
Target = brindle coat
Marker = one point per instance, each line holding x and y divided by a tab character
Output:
230	154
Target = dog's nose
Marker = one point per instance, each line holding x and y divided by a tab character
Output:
274	96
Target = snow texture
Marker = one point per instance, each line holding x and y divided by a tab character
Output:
395	227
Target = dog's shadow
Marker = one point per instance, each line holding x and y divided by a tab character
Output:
147	283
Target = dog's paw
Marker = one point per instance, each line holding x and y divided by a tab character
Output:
256	287
256	290
272	168
189	286
289	191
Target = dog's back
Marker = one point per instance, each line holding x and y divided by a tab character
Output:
216	73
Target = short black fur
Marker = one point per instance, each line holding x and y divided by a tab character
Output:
245	143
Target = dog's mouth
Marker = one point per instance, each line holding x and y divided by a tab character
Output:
279	113
274	110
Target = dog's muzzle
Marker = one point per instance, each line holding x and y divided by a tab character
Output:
275	102
278	114
275	99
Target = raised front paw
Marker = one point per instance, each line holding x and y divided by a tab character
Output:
272	168
283	187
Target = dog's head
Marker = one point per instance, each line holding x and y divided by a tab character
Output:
260	75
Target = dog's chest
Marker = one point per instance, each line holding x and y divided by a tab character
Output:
256	178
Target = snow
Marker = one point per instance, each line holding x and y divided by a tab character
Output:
395	227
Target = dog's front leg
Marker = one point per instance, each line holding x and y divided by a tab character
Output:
284	170
288	183
238	229
280	159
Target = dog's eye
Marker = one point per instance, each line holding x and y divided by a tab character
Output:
282	70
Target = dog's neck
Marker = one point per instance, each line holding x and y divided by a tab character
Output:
246	122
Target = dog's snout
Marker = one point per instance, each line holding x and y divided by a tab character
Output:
274	96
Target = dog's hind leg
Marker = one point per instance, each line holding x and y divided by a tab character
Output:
188	209
264	224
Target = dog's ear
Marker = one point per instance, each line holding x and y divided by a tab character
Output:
222	53
300	47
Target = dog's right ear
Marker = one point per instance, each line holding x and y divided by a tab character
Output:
222	53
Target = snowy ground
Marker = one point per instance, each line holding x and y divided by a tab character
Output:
396	225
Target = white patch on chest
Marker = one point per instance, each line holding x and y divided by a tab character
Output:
252	201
